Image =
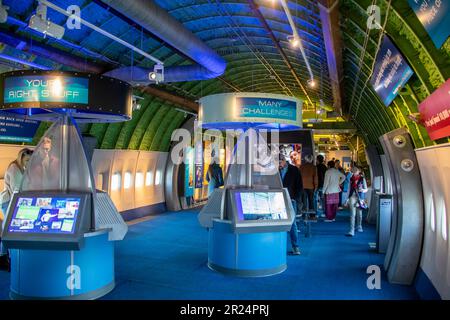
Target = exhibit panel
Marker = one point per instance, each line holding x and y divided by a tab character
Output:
55	208
435	260
253	211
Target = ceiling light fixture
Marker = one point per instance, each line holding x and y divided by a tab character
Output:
39	23
311	83
157	75
296	37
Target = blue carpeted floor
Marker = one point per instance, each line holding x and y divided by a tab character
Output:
165	258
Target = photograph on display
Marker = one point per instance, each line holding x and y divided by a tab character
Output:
292	153
45	215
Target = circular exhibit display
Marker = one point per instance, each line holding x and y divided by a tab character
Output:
45	95
245	110
58	274
257	254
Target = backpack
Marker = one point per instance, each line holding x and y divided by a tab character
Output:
218	175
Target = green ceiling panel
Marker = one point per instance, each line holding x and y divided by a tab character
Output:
111	135
128	128
168	118
152	128
175	124
143	124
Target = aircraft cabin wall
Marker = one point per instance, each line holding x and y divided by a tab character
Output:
435	260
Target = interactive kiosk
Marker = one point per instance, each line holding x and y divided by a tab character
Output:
249	218
59	229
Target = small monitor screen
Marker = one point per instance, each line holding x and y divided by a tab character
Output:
45	215
260	206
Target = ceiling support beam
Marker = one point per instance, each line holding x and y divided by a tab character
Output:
262	20
329	15
170	97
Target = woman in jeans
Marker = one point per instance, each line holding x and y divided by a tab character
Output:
331	189
358	190
13	179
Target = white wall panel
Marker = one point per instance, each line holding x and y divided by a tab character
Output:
434	163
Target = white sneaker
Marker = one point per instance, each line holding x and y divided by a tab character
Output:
327	220
350	234
360	229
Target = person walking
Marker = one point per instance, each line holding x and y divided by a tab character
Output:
358	189
310	182
337	165
331	189
321	169
292	180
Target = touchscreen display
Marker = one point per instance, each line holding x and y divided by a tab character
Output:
45	215
260	206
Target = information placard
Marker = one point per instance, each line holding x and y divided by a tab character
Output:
14	129
435	112
391	72
260	206
435	18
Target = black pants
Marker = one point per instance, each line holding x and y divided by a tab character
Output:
308	199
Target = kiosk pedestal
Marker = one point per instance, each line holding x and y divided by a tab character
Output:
245	254
58	274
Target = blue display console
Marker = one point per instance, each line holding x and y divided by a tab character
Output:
59	274
246	254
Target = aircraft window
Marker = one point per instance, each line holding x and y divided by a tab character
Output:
432	215
127	180
115	182
139	180
158	177
444	221
149	178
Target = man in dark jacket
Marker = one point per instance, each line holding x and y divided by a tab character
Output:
292	180
321	169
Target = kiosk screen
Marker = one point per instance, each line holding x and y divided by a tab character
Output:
45	215
260	206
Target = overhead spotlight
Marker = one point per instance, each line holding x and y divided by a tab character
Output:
294	41
311	83
3	12
157	75
40	23
136	104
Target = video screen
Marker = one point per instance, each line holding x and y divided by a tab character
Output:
45	215
260	206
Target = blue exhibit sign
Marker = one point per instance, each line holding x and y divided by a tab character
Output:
17	129
269	108
189	172
391	72
47	88
435	18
